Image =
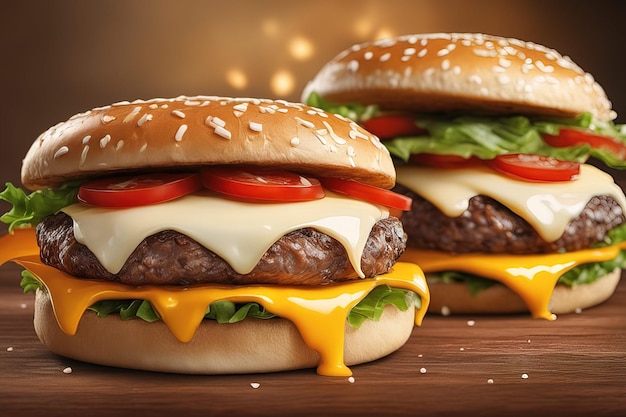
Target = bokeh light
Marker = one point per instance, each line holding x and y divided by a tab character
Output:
236	78
282	83
301	48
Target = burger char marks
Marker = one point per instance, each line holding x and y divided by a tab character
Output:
302	257
488	226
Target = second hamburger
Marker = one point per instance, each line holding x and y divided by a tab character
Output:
491	136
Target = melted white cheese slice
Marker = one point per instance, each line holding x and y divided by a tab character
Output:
238	232
547	206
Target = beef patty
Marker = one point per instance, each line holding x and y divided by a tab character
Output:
488	226
302	257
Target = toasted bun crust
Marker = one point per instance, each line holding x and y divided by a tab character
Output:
499	299
457	72
250	346
195	131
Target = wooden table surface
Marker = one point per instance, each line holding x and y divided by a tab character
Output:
466	366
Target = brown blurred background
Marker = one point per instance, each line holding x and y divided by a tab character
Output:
58	58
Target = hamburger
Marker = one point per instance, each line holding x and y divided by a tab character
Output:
494	140
213	235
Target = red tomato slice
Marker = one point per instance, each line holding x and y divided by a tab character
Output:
259	184
535	167
369	193
392	125
444	161
138	190
573	137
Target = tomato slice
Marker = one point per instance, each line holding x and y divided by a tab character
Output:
392	125
572	137
444	161
369	193
258	184
535	167
138	190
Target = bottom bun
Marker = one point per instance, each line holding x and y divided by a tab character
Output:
249	346
456	298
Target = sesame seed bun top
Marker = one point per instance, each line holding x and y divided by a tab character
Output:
195	131
460	72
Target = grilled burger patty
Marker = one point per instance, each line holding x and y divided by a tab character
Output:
488	226
302	257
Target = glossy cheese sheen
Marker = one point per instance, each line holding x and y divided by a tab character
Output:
238	232
319	313
532	277
547	206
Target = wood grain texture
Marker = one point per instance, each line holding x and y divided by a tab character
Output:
575	366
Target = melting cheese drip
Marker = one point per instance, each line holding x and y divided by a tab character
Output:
238	232
533	277
548	207
319	313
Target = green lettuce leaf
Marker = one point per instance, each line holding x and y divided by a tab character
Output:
356	112
29	209
487	137
370	308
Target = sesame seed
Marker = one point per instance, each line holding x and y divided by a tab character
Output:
305	123
475	79
422	53
445	64
86	139
490	381
409	51
504	63
321	138
524	376
257	127
543	67
443	52
385	57
242	107
83	154
61	151
255	385
368	55
351	380
143	119
445	311
67	370
471	323
180	132
132	114
221	131
107	119
504	79
119	145
143	147
178	113
218	122
422	370
353	65
338	140
295	141
105	141
10	349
